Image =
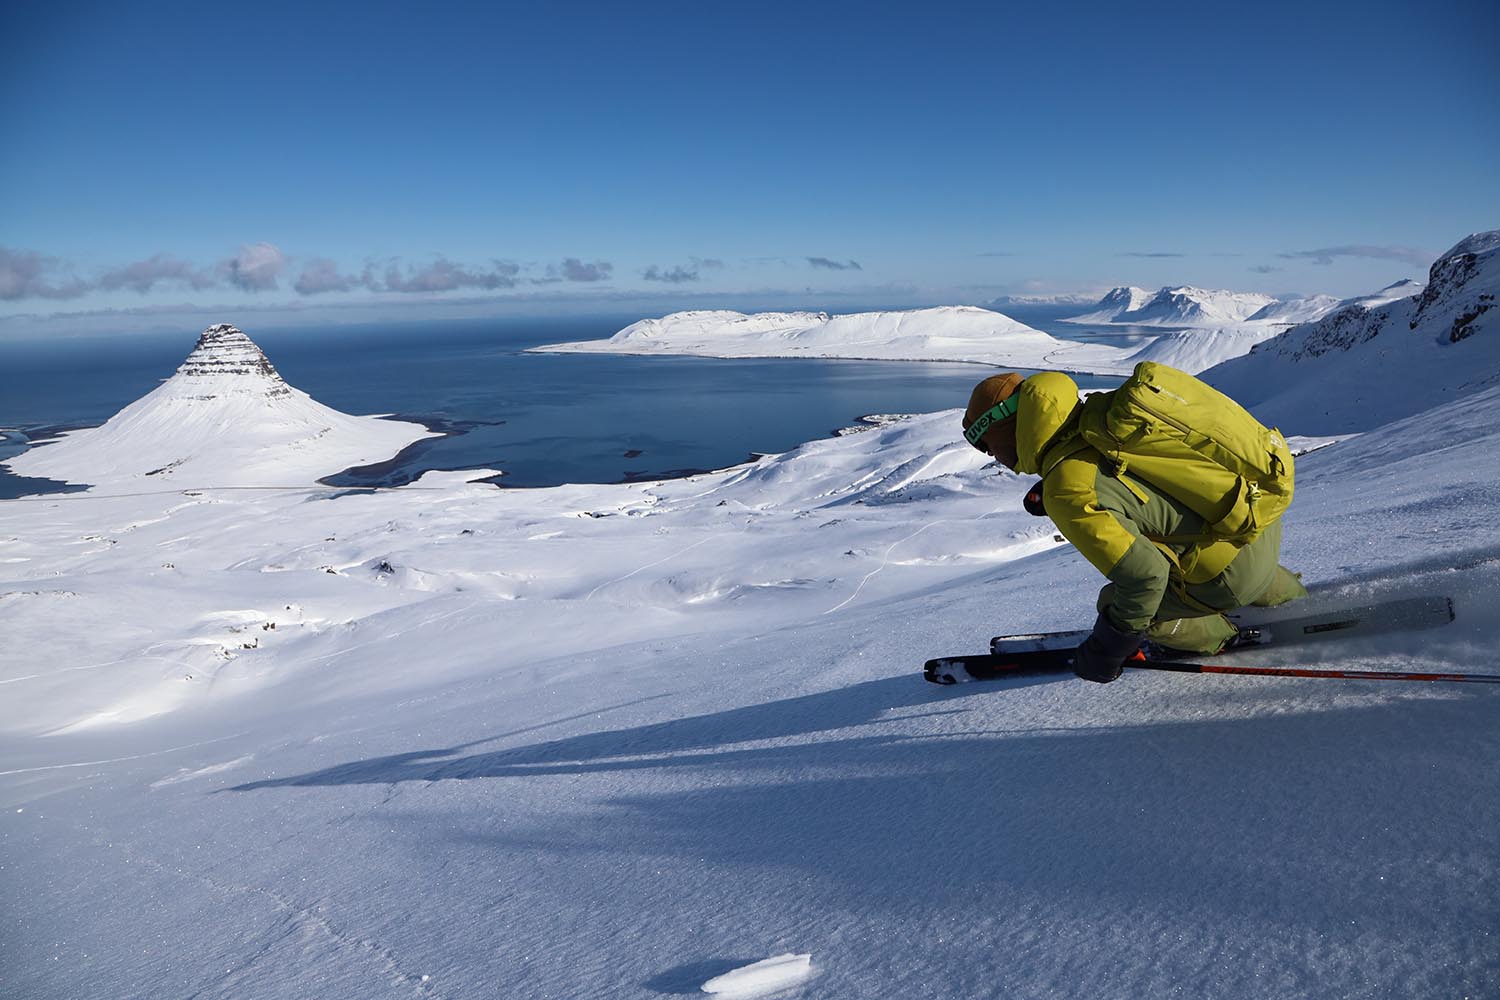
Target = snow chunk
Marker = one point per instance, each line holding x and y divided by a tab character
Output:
765	976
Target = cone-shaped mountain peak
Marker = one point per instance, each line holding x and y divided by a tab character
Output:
227	360
226	417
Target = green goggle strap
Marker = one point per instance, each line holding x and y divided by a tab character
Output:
1003	410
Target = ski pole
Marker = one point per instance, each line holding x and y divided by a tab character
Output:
1367	675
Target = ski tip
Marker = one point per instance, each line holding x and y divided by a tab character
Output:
941	672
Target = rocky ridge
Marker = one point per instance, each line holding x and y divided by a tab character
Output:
1456	285
1461	289
226	358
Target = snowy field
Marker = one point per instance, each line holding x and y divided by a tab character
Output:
452	741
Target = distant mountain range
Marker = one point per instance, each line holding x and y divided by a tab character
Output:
1188	307
1179	307
1068	299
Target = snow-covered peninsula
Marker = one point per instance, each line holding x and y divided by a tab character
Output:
947	333
635	740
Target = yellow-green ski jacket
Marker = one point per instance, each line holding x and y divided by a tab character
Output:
1143	540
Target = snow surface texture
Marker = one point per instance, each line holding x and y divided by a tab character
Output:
451	741
949	333
225	418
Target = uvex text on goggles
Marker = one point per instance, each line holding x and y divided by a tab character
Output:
1003	410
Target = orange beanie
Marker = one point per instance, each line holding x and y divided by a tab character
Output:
995	389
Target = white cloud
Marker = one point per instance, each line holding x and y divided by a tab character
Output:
25	274
255	268
143	275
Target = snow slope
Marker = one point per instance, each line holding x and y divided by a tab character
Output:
1403	289
626	741
1304	310
226	417
1200	349
948	333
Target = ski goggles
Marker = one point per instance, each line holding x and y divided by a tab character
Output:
1003	410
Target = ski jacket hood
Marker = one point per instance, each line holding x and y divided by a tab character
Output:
1049	402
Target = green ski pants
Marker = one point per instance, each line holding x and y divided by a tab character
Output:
1179	625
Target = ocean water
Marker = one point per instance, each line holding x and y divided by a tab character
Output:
542	419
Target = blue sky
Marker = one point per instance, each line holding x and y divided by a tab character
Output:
162	158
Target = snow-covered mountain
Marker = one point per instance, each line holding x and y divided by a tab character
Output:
1315	307
1126	298
722	325
946	333
1182	306
1300	310
226	417
1403	289
1189	306
1401	354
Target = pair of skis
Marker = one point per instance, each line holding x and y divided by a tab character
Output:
1290	625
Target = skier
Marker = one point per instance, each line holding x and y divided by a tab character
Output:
1165	583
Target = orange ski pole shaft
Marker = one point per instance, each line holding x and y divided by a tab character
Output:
1364	675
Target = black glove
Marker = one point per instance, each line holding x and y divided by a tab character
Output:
1101	657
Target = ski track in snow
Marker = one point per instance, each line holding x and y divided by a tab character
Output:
884	562
117	760
190	774
85	666
652	565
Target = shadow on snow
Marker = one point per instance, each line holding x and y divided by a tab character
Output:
1335	822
